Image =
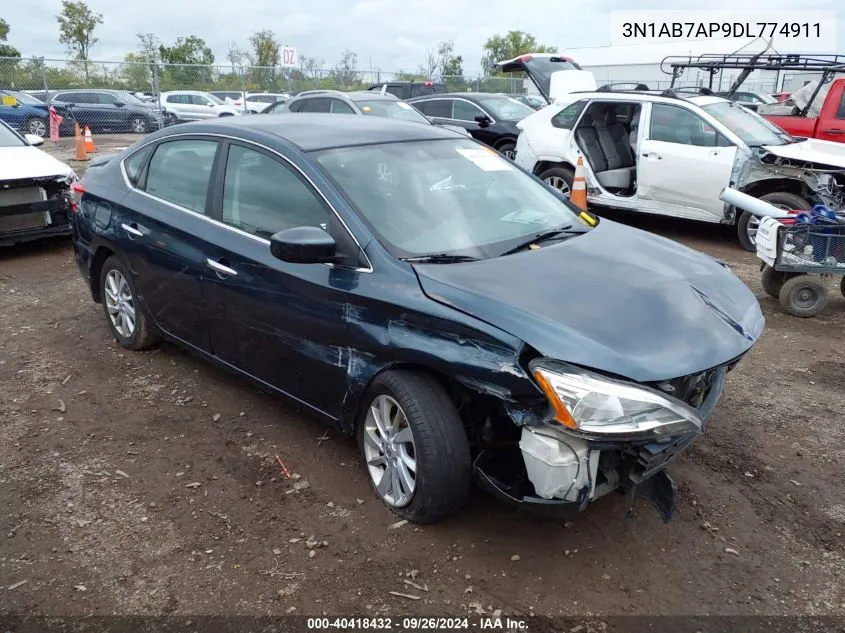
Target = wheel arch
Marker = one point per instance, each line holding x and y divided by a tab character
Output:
547	163
95	270
774	185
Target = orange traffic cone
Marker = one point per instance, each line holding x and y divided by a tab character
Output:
89	141
578	195
81	154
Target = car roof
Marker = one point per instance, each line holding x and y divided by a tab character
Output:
86	90
191	92
642	96
463	95
310	132
369	95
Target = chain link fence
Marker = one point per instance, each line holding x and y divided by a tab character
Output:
127	96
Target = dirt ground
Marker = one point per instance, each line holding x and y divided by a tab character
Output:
146	483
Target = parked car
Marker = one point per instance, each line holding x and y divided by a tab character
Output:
256	102
409	89
227	96
751	100
393	279
825	118
533	101
673	155
363	103
110	110
490	118
27	114
193	105
34	188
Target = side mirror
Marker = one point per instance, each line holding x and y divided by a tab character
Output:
33	139
303	245
119	104
483	120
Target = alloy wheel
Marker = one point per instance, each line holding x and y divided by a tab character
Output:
120	303
390	452
37	127
139	126
558	183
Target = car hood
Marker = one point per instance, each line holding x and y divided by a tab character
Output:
29	162
812	150
614	299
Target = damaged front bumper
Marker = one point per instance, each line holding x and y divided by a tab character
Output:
556	467
34	209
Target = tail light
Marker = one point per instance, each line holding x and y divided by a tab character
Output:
525	58
428	83
239	102
76	191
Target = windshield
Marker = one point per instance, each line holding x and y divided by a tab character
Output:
129	99
24	98
453	197
753	129
392	110
9	138
505	108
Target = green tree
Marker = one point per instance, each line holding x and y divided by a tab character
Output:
265	57
508	46
345	72
187	50
76	27
449	64
5	49
188	62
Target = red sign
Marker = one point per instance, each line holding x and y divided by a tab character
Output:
55	122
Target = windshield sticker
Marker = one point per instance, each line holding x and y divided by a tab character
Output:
488	160
366	108
9	100
404	105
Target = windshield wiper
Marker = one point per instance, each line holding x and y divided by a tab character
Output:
543	237
439	258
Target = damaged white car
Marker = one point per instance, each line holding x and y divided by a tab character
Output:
34	190
667	154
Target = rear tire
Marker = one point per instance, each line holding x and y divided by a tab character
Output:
437	445
561	178
803	296
120	304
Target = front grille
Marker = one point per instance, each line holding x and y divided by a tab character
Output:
700	391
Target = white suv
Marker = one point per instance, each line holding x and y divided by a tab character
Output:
193	105
670	154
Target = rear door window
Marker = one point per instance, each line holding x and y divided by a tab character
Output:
441	108
180	171
316	105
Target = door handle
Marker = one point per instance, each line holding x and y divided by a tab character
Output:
834	131
657	156
132	229
221	269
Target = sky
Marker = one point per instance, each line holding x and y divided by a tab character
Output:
388	35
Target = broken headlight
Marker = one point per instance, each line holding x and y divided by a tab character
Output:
593	405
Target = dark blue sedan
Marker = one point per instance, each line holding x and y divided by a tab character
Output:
27	114
422	293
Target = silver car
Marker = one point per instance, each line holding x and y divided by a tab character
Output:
193	105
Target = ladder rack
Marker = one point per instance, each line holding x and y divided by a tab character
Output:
827	65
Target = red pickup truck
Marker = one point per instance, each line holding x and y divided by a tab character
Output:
829	125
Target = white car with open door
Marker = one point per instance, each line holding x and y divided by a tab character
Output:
668	154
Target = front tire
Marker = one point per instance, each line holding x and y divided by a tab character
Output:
125	316
37	126
139	125
746	226
803	296
414	446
